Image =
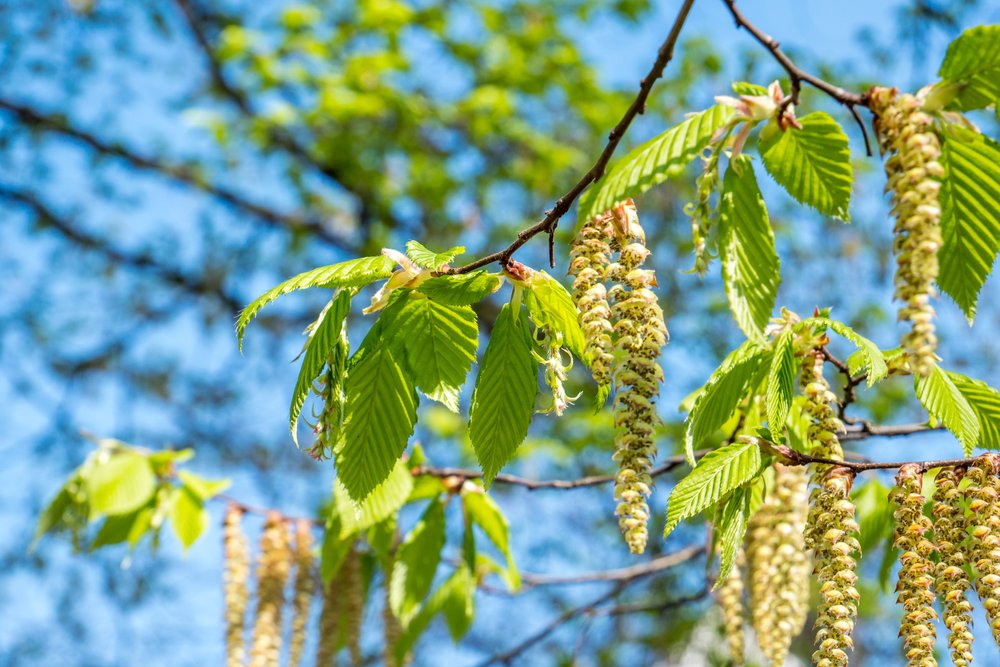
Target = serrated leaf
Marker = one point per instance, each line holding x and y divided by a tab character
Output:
352	273
781	381
550	305
481	509
660	158
439	344
970	215
942	399
747	88
380	504
874	361
461	290
730	527
381	411
728	385
188	516
324	338
122	484
750	264
504	398
985	402
429	259
812	164
206	489
973	60
718	473
416	563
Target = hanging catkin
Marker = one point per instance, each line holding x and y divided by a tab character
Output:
983	494
354	604
914	174
305	587
951	579
730	599
237	571
589	258
272	575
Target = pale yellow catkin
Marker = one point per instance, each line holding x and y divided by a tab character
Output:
354	605
305	588
589	259
272	576
236	552
983	494
951	581
730	599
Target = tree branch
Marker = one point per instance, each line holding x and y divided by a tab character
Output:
658	564
789	456
549	223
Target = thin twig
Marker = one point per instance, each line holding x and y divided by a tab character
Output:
659	564
791	457
643	607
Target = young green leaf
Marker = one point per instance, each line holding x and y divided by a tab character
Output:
551	305
485	513
380	414
970	215
730	527
726	388
945	403
53	514
380	504
428	259
985	402
461	290
750	265
812	164
655	161
122	484
458	604
416	563
781	381
188	516
439	345
352	273
718	473
504	398
874	359
324	337
973	60
206	489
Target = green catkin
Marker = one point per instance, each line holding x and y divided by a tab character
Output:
730	599
983	495
272	575
589	259
305	587
951	579
330	625
556	371
914	173
702	212
330	419
916	571
237	572
779	565
640	335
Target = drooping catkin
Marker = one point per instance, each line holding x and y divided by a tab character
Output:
640	335
272	575
916	571
589	259
556	371
330	625
354	605
779	566
951	579
914	174
331	389
730	599
983	494
305	588
236	551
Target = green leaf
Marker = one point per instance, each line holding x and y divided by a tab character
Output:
973	60
781	381
206	489
812	164
726	388
718	473
352	273
122	484
416	563
747	88
481	509
504	399
655	161
458	604
461	290
381	412
945	403
551	306
985	402
439	344
873	358
334	550
53	514
427	259
384	501
750	265
188	516
324	338
970	215
730	527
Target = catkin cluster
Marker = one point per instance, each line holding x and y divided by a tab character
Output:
272	575
730	600
951	580
640	334
779	566
983	495
916	571
340	616
305	587
914	173
236	552
702	212
589	259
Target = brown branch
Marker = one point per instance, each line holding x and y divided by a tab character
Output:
644	607
181	173
868	430
659	564
549	223
791	457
